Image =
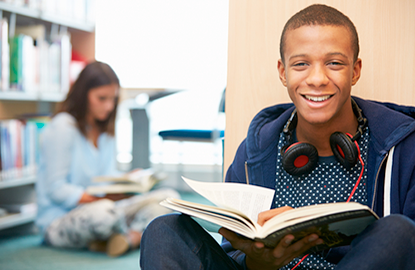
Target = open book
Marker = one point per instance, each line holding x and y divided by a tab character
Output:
138	181
238	205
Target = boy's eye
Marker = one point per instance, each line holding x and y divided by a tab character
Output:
335	63
299	64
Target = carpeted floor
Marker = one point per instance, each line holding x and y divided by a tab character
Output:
26	252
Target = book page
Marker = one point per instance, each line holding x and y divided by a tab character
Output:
116	188
136	176
216	216
316	210
248	199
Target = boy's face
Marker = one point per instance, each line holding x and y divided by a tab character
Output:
319	72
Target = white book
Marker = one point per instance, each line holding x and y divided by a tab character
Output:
138	181
238	205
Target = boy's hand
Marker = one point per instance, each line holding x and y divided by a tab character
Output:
267	215
260	257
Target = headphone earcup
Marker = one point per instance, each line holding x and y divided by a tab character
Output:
344	149
299	159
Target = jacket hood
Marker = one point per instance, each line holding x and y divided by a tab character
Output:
265	128
400	119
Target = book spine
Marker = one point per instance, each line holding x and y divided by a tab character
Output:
16	62
5	56
19	148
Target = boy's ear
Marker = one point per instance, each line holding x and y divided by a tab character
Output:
357	67
281	72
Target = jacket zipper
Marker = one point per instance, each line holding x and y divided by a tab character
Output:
376	179
246	173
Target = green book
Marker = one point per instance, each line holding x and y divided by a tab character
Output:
16	62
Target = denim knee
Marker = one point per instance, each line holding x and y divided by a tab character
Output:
160	224
400	225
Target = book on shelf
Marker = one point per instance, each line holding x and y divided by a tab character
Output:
23	63
4	55
65	61
236	207
137	181
16	62
35	58
23	208
37	64
19	147
3	212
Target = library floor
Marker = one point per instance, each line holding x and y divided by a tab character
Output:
25	252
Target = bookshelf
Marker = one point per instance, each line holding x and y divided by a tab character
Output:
58	18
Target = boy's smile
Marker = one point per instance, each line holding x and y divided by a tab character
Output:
319	72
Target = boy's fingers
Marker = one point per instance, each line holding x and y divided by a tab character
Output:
279	251
306	243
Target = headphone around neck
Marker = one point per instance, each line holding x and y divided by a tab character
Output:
301	158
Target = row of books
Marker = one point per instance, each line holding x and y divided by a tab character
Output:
22	208
30	63
79	10
19	147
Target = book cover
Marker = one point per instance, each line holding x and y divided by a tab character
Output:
16	62
5	55
338	229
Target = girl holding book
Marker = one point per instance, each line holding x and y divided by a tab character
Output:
76	146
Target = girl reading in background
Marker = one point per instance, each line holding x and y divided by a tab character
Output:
77	145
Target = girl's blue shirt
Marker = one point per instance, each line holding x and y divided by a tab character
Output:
68	162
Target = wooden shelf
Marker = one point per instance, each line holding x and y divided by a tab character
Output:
13	104
17	182
16	219
29	96
54	19
87	27
21	10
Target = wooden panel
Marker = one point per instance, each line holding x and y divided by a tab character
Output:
84	44
386	30
12	109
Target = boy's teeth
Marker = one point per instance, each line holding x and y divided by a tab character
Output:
317	99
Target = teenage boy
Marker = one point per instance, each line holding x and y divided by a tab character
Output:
326	147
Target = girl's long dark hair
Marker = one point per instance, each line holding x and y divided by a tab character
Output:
93	75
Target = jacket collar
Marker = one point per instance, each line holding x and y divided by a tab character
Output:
388	124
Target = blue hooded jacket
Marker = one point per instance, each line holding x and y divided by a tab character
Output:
390	182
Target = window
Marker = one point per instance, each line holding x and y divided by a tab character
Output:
175	44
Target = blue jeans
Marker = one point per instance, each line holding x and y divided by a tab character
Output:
177	242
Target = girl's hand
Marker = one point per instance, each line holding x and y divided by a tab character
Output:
87	198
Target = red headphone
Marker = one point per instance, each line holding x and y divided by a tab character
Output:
301	158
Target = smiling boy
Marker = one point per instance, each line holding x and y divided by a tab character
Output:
325	147
319	70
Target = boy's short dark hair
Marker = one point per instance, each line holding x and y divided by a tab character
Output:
320	15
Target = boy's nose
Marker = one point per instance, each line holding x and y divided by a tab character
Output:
317	77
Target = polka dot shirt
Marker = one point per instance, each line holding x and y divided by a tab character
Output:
328	182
